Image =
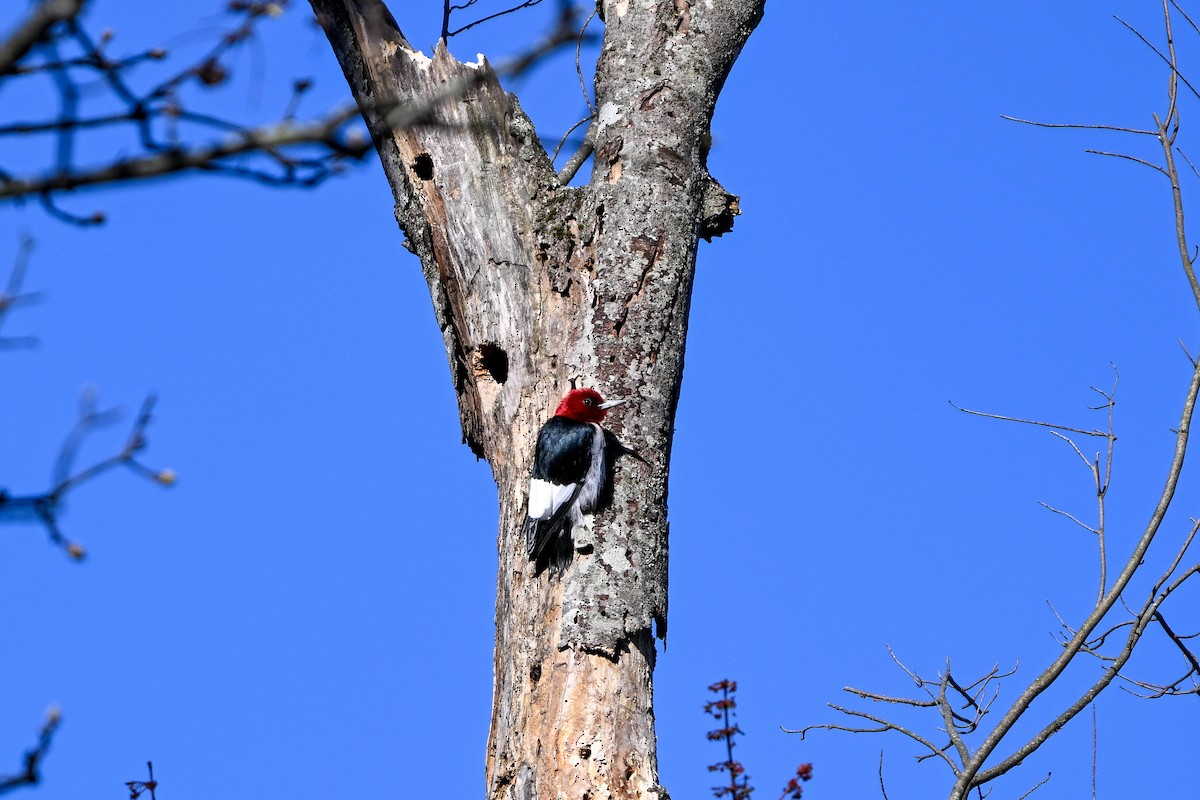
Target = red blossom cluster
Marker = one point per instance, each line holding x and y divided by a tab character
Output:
739	787
793	789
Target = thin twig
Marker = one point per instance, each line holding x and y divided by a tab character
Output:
1077	126
580	156
1127	157
206	158
54	43
1178	641
11	296
578	53
44	16
884	725
883	698
1036	786
1195	171
1036	422
1183	347
29	774
46	507
489	17
1095	748
1069	516
1170	62
1086	461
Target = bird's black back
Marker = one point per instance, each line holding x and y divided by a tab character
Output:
564	451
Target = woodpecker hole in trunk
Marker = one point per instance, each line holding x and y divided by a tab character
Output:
535	673
423	166
491	361
585	752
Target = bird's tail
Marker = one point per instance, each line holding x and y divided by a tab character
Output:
549	544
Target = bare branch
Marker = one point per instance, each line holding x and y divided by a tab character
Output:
1102	484
1169	61
1195	171
212	158
29	774
883	698
1180	554
488	18
917	679
11	296
973	775
1095	748
883	726
1157	691
285	153
44	16
948	719
1183	347
1086	461
566	31
1137	629
581	155
578	52
1089	637
1069	516
1077	126
994	674
1062	623
1178	641
1036	786
45	507
1039	423
1134	159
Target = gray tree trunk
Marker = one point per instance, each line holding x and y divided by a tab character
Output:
538	288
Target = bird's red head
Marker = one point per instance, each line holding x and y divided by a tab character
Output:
585	405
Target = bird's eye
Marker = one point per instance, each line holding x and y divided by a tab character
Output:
587	401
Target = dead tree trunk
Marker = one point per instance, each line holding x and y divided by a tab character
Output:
538	287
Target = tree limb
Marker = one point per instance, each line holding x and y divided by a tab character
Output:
44	16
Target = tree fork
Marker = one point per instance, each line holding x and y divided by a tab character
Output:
538	287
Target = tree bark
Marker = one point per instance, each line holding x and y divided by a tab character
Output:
538	288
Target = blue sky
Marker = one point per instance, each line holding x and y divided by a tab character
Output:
310	610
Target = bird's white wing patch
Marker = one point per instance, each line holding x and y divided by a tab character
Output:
546	497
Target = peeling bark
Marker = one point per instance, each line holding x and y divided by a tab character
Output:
538	288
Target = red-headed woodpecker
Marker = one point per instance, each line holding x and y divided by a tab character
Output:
570	469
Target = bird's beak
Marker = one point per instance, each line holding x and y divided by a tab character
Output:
611	403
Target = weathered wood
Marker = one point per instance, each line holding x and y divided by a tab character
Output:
537	288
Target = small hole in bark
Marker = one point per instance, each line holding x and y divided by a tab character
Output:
535	673
629	773
423	166
585	753
491	360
